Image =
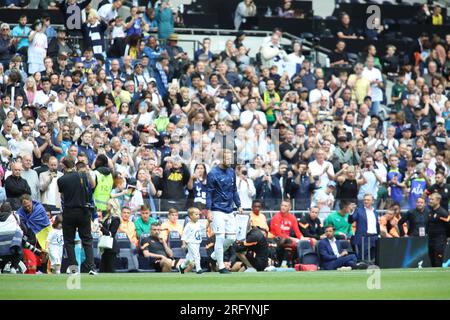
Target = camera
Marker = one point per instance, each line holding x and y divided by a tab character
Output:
29	246
244	172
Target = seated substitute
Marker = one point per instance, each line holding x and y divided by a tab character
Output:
310	225
332	256
161	256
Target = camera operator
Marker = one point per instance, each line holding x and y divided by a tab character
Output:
36	226
302	186
73	187
245	187
10	239
50	196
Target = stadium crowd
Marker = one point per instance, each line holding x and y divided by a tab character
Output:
146	121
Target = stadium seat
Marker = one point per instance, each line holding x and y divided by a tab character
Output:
179	253
127	261
388	21
122	240
143	238
144	265
306	253
404	21
174	239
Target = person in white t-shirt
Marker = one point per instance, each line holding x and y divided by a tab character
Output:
55	245
192	238
37	49
316	94
324	200
321	170
252	117
376	84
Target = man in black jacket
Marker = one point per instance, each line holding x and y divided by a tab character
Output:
442	188
417	220
76	215
16	186
310	225
174	183
438	220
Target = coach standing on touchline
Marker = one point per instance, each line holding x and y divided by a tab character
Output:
72	186
221	192
437	222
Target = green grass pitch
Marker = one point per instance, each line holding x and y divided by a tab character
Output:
433	283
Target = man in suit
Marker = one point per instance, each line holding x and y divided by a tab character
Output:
367	229
332	255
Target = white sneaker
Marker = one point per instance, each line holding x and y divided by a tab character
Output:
92	273
270	268
72	271
7	268
13	271
344	268
250	270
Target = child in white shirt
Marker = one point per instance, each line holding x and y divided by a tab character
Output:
55	245
192	237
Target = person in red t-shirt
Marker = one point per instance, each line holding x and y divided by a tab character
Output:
281	226
283	222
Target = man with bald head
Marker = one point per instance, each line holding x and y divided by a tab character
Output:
30	176
50	196
15	186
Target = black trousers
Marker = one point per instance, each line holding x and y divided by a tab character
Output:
436	248
108	262
73	219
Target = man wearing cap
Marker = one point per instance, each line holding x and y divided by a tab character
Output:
59	45
62	65
176	54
